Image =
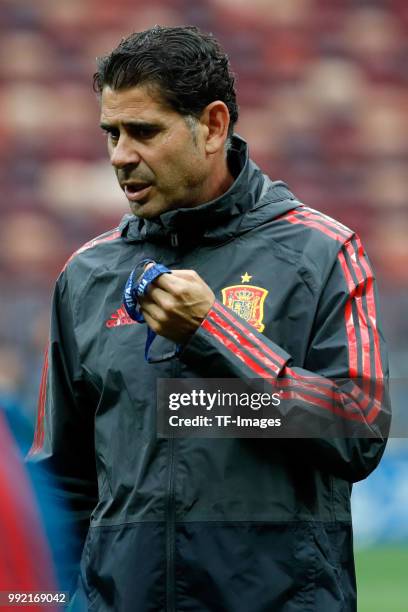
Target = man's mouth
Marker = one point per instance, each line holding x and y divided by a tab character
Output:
136	191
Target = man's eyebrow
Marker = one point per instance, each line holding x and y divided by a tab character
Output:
106	126
135	125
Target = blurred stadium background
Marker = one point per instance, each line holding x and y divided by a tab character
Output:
323	91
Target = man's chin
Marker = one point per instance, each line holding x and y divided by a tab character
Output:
154	207
147	210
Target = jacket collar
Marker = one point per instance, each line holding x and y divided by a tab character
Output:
187	225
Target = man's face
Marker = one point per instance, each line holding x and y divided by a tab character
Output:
158	157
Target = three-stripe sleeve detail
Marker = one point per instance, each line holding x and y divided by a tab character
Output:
360	310
39	428
241	337
322	223
365	362
262	361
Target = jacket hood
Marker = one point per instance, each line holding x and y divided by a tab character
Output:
252	200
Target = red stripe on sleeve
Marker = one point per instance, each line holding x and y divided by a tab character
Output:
365	287
337	409
328	394
254	339
362	319
369	400
39	428
293	217
377	407
372	314
229	344
240	340
335	225
311	383
348	316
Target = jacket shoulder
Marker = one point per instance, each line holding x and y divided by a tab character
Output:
311	236
311	241
296	226
309	226
104	238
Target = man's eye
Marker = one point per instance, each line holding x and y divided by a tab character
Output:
144	132
112	135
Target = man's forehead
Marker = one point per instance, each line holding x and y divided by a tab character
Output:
143	101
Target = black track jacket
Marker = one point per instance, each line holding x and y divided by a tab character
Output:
201	524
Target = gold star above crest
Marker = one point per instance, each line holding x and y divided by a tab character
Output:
245	278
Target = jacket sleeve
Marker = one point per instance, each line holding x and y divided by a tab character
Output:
341	386
64	437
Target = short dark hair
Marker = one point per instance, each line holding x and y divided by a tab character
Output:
189	67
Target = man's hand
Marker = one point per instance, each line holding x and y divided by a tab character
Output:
176	304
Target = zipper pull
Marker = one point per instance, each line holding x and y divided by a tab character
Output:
174	240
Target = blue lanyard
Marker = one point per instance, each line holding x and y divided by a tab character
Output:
137	286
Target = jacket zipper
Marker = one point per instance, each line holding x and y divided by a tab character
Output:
171	518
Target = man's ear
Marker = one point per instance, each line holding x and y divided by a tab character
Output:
216	118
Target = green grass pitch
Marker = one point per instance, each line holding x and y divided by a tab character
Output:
382	579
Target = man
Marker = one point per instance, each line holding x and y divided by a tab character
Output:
260	286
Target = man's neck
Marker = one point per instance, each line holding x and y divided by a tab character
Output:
221	180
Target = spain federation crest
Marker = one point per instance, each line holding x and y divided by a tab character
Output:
247	301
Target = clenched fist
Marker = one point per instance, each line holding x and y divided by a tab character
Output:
176	304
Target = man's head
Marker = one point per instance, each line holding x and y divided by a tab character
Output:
169	106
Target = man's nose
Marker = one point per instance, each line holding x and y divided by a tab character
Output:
124	153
